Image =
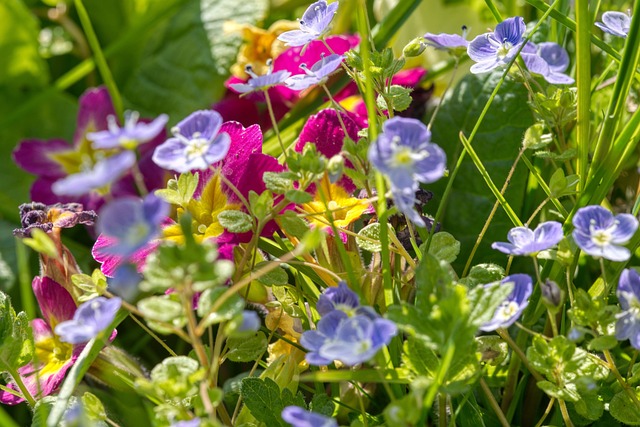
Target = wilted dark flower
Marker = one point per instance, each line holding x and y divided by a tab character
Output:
38	215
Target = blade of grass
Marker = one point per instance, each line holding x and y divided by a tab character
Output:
6	420
392	22
583	79
27	298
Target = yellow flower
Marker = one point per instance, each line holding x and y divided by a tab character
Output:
333	197
204	213
259	46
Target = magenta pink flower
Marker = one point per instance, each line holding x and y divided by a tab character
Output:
54	357
54	159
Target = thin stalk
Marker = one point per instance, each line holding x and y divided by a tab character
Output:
23	389
583	79
625	386
100	59
546	412
494	10
153	335
274	122
565	413
517	350
24	277
442	410
493	403
192	329
545	187
449	84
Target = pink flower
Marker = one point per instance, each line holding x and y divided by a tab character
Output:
54	357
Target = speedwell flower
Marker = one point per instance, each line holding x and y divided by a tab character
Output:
615	23
132	223
513	306
197	143
492	50
351	340
313	25
91	318
453	43
628	323
315	75
524	241
404	153
298	417
130	135
337	298
548	59
598	233
263	82
104	173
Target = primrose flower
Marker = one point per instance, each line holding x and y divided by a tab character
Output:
524	241
550	60
103	173
491	50
404	153
598	233
453	43
132	222
615	23
91	318
351	340
197	143
263	82
54	356
129	136
298	417
512	307
318	73
628	323
313	25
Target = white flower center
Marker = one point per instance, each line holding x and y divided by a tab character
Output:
503	49
197	147
507	310
602	237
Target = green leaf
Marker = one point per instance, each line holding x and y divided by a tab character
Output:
369	237
275	277
188	60
497	143
16	338
293	224
322	404
485	300
276	182
262	397
563	186
41	243
174	378
235	221
604	342
298	196
482	274
444	247
180	191
535	138
229	308
94	407
247	349
398	96
161	308
623	409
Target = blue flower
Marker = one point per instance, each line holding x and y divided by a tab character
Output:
351	340
104	172
317	75
524	241
250	322
404	153
337	298
615	23
125	281
455	44
129	136
313	24
263	82
598	233
298	417
91	318
550	60
513	306
491	50
194	422
628	323
197	143
131	222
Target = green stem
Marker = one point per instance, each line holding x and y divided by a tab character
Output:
100	59
565	413
23	389
583	79
274	122
24	277
493	403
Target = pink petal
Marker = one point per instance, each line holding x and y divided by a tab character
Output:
56	304
110	262
410	77
34	156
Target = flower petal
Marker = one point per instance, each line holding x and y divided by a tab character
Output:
56	304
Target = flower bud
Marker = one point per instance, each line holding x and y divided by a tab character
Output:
552	295
414	48
335	167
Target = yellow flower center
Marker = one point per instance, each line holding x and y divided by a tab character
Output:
52	355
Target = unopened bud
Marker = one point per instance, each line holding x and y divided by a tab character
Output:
335	167
552	295
414	48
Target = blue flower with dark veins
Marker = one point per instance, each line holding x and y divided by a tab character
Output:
261	83
628	321
131	223
455	44
298	417
91	318
598	233
404	153
548	59
313	25
615	23
317	74
492	50
337	298
197	143
513	306
524	241
104	172
130	135
351	340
